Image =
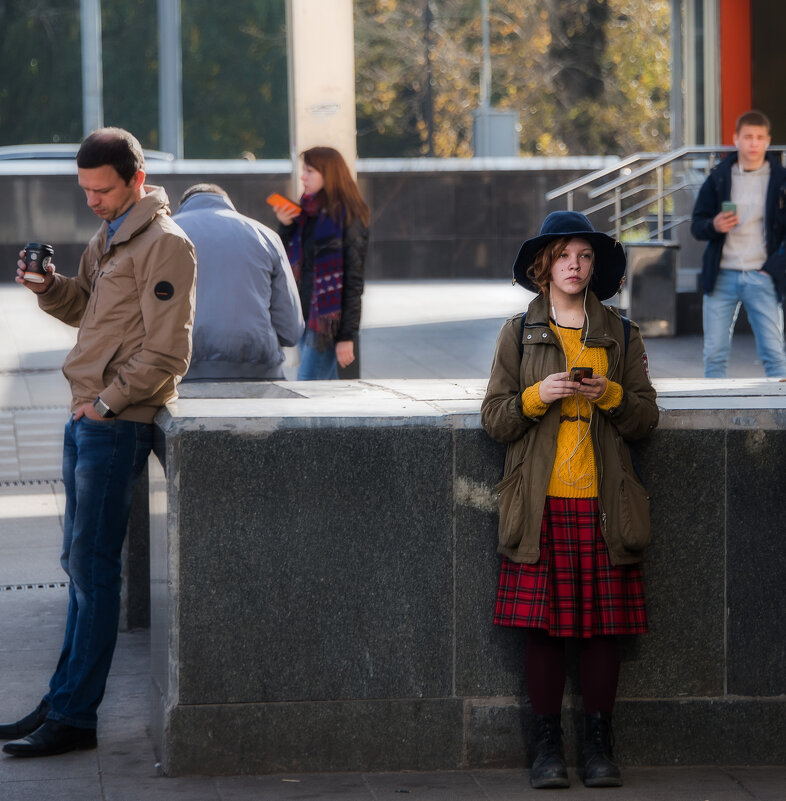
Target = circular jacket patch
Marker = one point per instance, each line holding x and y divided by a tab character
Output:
164	290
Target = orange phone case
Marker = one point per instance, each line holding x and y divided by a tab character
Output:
279	200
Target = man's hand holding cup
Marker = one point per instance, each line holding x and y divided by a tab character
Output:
35	269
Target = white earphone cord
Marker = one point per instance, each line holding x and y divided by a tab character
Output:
583	481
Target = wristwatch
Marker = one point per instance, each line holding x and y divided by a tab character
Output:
102	409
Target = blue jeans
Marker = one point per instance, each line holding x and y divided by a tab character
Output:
315	365
101	460
756	290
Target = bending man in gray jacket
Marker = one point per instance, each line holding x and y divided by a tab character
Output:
247	303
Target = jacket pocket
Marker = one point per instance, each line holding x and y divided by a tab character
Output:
510	496
634	515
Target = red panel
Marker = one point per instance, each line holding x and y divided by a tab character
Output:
735	63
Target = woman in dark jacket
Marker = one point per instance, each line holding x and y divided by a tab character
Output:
326	243
574	516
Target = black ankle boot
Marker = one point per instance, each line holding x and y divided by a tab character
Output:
599	769
548	766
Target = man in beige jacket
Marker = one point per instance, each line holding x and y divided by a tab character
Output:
133	302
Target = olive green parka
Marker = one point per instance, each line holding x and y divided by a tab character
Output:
532	442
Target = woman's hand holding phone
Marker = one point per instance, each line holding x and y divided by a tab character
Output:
285	210
593	388
557	386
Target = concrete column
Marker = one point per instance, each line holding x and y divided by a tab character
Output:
170	98
321	59
92	70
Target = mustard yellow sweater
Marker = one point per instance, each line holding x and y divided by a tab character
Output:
573	474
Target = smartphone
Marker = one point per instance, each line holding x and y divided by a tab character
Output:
728	206
286	204
578	374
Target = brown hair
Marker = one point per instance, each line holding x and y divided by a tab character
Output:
540	269
339	190
113	146
752	118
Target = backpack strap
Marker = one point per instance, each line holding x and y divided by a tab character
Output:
626	329
521	337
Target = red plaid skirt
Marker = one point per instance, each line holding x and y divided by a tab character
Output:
573	590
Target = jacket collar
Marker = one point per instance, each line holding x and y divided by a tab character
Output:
154	202
206	200
538	315
732	158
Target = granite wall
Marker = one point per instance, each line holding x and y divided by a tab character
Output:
324	573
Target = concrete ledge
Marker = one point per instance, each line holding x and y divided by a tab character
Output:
324	572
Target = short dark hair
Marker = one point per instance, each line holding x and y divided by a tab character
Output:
198	189
113	146
752	118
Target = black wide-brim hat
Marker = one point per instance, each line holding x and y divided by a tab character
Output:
608	270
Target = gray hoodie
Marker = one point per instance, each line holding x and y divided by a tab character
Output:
247	304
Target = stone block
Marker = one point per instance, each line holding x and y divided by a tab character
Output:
700	732
368	736
489	658
756	563
683	569
314	548
324	571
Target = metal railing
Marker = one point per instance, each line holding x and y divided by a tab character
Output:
640	193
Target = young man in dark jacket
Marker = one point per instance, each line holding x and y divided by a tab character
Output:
740	212
133	302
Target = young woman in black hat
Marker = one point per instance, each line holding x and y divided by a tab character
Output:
574	515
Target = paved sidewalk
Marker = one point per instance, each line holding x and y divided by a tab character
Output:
435	329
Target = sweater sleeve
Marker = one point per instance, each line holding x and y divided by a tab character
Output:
611	398
531	404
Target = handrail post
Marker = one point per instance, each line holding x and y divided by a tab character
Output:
659	175
618	213
570	201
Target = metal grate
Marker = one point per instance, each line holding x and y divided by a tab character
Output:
54	585
31	482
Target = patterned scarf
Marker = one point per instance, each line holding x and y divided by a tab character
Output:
324	315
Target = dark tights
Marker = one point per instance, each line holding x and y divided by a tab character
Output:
599	669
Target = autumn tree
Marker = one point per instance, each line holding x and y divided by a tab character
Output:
585	76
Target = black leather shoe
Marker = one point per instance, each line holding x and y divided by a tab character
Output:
25	726
52	737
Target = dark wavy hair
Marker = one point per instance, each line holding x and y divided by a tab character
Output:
115	147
